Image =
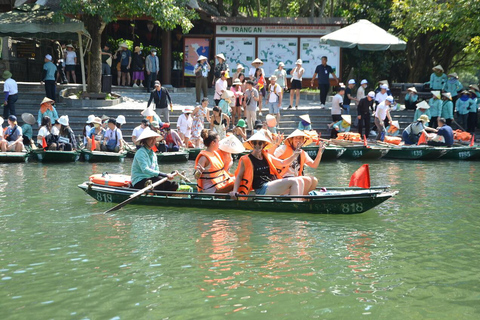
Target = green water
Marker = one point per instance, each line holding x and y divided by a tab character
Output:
414	257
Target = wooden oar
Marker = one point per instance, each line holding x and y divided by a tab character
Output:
182	175
136	195
458	125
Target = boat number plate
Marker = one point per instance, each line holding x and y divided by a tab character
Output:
417	153
312	153
357	153
104	197
352	207
464	154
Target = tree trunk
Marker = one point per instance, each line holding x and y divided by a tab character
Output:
95	26
312	8
221	8
322	8
269	6
259	12
235	7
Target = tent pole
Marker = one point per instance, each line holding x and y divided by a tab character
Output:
82	62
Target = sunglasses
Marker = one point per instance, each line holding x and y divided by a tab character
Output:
258	142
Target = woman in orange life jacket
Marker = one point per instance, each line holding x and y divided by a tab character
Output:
226	147
295	141
210	171
257	171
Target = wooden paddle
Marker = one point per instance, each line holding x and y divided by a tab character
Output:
137	194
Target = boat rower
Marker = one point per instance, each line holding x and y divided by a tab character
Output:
145	165
226	147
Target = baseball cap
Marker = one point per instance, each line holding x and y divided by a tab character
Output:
371	94
351	81
364	81
157	83
389	98
12	118
384	86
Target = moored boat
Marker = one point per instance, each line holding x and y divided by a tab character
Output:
364	152
171	157
458	153
55	156
333	201
102	156
415	152
330	152
10	157
193	153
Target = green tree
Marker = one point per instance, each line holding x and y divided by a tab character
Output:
97	14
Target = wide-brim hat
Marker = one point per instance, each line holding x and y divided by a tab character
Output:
63	120
465	92
237	82
1	121
221	56
28	118
453	74
474	86
121	119
384	86
437	94
239	66
299	133
271	120
147	133
447	95
6	74
412	89
272	78
241	123
423	105
148	112
259	136
123	44
201	58
187	109
396	124
306	118
137	49
69	46
438	67
257	61
231	144
97	120
299	61
423	118
385	82
47	100
281	64
105	117
347	118
90	118
227	94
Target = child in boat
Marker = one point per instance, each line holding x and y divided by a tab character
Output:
294	141
210	170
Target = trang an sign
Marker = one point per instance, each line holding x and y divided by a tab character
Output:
278	30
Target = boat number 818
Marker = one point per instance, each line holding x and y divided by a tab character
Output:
352	207
104	197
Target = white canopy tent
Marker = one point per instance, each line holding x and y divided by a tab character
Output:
364	35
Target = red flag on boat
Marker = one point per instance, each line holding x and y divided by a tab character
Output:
94	145
422	140
44	143
361	177
154	148
472	141
365	140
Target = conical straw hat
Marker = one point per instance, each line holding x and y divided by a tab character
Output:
259	136
300	133
231	144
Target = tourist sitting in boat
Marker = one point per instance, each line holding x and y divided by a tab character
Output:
173	141
97	133
12	136
393	130
29	121
297	140
240	130
138	131
210	170
412	132
160	143
258	171
219	122
45	132
422	108
184	125
228	146
66	138
435	104
342	125
87	128
151	115
444	136
145	166
112	138
199	114
305	123
47	109
411	98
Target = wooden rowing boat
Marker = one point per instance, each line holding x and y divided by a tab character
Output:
459	153
172	157
103	156
364	152
55	156
333	201
330	153
193	153
10	157
415	152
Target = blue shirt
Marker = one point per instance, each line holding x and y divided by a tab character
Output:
51	69
447	109
435	107
447	133
144	165
437	82
462	106
126	54
323	73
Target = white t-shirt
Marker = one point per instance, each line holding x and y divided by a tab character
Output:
381	111
10	86
296	74
220	85
360	93
275	92
42	132
110	135
380	97
55	131
184	125
337	102
294	167
70	57
137	132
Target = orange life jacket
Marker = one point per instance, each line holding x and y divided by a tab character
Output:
217	174
393	140
246	180
288	152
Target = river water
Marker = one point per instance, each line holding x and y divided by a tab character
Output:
414	257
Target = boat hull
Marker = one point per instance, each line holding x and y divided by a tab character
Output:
330	153
193	153
56	156
460	153
351	201
172	157
415	153
100	156
364	153
11	157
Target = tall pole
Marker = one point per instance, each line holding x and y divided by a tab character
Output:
82	62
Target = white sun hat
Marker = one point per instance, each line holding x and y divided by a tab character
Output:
201	58
90	118
148	112
221	56
257	61
347	118
63	120
121	119
231	144
299	61
351	81
423	105
364	81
